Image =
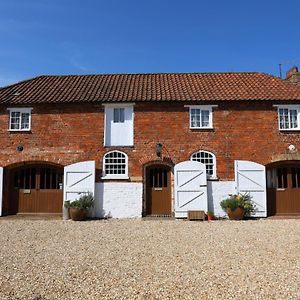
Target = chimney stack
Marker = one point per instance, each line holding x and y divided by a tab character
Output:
293	75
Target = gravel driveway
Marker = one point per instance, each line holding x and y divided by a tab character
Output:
137	259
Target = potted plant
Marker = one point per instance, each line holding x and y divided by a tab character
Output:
237	206
210	216
79	208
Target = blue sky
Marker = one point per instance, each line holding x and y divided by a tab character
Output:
140	36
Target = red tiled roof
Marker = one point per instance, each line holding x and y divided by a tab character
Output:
149	87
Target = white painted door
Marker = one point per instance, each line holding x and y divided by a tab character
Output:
250	177
78	178
1	189
119	126
190	188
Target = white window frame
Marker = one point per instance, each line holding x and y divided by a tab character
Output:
214	174
115	176
21	110
201	107
117	105
289	107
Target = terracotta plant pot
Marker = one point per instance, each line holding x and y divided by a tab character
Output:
237	214
210	217
78	214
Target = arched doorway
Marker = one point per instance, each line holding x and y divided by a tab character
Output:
158	190
283	188
34	188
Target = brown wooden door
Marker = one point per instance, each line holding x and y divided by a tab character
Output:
158	185
284	189
36	189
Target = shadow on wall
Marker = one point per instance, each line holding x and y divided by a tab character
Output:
99	211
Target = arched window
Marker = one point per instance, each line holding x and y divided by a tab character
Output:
208	159
115	165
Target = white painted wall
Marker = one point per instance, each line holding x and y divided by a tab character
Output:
216	192
118	199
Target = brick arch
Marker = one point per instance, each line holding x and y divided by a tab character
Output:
51	159
32	162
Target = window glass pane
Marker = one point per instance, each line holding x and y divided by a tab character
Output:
207	159
288	118
42	178
122	115
281	178
33	178
114	163
293	118
25	121
15	120
195	117
116	115
205	118
119	115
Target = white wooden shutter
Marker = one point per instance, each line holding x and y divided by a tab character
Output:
1	189
190	188
119	134
78	178
250	177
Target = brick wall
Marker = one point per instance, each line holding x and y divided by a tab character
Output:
68	133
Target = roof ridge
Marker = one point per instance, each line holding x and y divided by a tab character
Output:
152	73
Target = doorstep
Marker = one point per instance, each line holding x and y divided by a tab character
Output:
33	217
158	217
284	217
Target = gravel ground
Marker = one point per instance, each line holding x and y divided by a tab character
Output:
137	259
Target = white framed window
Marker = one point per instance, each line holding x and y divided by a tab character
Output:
119	115
289	117
19	119
201	116
118	124
209	160
115	165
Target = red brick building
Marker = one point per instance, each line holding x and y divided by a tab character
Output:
136	128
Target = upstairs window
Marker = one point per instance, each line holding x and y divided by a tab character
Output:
208	159
115	165
201	116
288	118
19	119
119	115
118	129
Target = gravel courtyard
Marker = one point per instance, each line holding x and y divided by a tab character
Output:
137	259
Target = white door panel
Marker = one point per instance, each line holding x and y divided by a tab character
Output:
190	188
250	177
1	190
119	134
79	178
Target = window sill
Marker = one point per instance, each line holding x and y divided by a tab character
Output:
201	128
212	179
290	130
114	177
121	146
19	130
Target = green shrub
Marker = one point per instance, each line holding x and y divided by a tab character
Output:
85	201
238	200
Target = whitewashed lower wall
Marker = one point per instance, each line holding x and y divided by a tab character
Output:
118	199
216	192
124	199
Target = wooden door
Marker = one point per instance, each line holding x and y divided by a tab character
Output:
158	190
284	189
36	189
